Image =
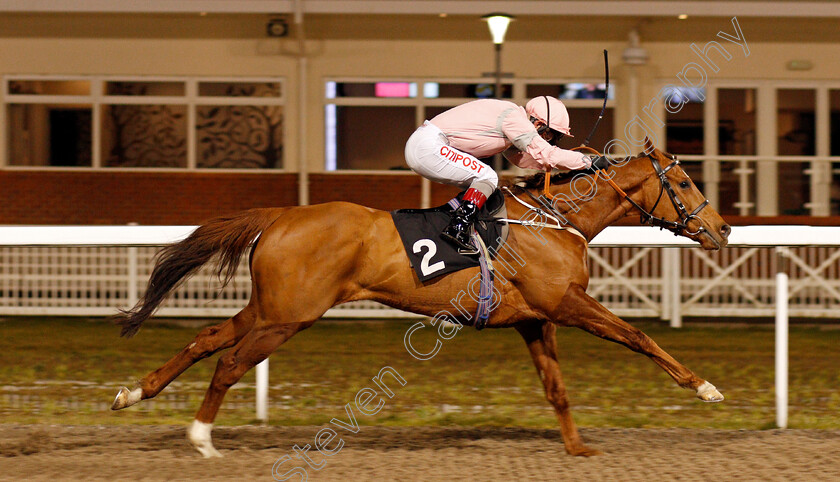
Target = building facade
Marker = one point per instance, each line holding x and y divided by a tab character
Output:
176	112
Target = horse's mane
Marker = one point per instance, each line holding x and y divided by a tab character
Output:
537	181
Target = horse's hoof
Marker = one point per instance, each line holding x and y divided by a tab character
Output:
708	393
584	451
199	436
208	451
126	398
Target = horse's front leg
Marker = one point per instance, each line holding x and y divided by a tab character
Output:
541	341
580	310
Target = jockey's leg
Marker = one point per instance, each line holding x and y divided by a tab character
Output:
460	226
429	154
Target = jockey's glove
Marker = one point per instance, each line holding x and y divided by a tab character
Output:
599	162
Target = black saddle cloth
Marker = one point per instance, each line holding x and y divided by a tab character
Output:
431	255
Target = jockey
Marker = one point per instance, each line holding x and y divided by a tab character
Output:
446	150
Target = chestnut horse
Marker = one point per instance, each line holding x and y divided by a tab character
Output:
308	259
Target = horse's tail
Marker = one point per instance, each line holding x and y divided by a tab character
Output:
223	238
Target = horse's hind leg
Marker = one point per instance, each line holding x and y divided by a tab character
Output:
582	311
209	341
543	347
253	348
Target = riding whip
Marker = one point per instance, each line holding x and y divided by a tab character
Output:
606	95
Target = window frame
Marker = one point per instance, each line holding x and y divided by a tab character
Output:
819	171
99	98
420	103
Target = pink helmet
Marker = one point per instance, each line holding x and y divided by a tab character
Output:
543	106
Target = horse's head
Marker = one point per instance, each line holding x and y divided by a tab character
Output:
672	201
652	184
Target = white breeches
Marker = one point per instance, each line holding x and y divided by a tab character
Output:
428	153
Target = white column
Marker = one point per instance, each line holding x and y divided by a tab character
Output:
96	90
419	118
303	160
192	129
820	204
781	338
767	172
632	94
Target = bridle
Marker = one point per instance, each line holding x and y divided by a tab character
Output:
665	186
647	217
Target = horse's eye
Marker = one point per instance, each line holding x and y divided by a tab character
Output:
685	185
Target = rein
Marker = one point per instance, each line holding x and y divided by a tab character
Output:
647	217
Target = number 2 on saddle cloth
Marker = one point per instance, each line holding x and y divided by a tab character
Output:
430	255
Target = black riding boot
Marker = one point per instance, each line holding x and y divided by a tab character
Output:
458	232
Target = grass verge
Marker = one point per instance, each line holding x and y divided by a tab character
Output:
67	371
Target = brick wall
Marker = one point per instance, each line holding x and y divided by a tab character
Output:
119	197
442	193
43	197
387	192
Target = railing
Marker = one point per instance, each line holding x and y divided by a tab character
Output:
635	271
94	270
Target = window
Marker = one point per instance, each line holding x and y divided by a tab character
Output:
572	90
368	122
53	126
684	128
834	149
796	136
142	123
372	137
737	137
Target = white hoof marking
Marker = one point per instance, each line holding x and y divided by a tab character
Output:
126	398
708	393
199	435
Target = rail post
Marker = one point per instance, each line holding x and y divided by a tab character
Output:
665	289
671	286
262	391
133	278
781	337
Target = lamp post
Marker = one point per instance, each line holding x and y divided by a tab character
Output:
498	24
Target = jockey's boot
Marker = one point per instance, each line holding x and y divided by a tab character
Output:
459	230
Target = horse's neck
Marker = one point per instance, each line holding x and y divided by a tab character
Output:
606	207
595	215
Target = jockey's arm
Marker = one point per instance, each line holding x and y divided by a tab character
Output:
545	156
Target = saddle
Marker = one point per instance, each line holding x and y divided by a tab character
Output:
432	256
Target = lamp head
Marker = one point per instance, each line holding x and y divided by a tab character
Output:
498	23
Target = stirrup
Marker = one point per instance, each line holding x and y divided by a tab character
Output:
473	251
466	250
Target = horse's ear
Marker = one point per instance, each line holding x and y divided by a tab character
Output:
649	147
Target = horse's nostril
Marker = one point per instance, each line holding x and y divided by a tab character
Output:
725	230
